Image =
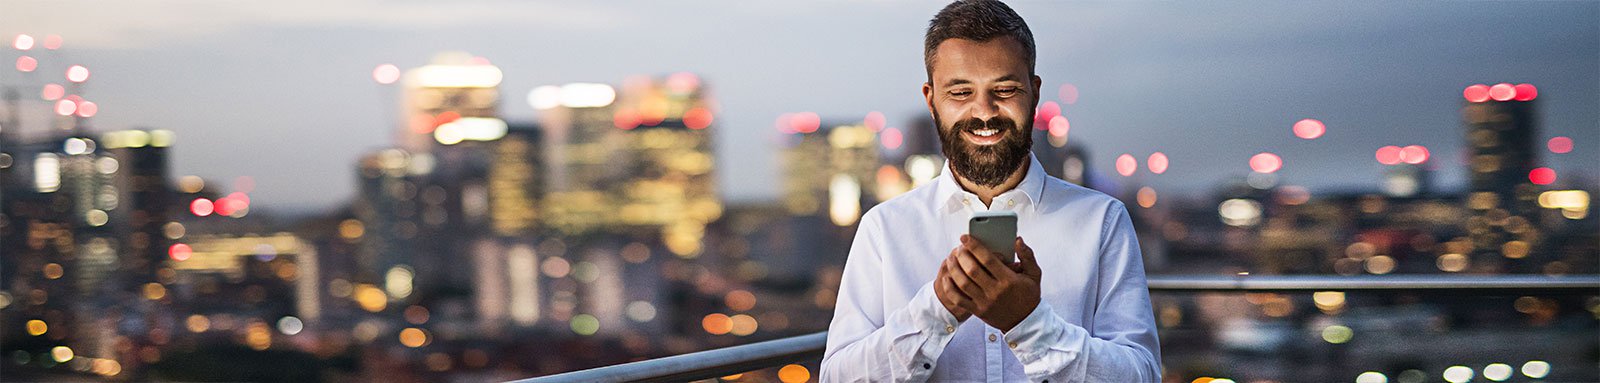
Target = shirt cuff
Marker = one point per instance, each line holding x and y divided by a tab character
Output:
930	313
1032	338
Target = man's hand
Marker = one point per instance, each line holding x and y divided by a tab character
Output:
998	293
946	291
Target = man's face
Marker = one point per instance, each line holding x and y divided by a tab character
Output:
982	96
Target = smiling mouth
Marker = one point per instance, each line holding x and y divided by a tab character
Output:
984	136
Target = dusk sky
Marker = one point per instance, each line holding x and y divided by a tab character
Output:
282	91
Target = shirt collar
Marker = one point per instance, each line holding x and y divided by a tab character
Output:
1032	185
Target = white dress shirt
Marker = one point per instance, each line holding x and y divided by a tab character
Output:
1093	322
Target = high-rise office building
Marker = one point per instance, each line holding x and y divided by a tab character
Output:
1501	131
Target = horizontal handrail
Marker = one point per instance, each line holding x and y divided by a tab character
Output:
755	356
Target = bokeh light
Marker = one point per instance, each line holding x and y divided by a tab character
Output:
1046	112
1536	369
1059	126
892	138
1069	94
1476	93
52	42
22	42
1502	92
1146	197
794	373
180	252
386	74
1414	154
27	64
52	92
77	73
1126	165
1560	145
697	118
1309	129
875	121
1265	163
717	323
1457	374
1157	162
1525	92
1542	176
88	109
201	207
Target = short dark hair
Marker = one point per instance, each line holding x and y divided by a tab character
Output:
977	20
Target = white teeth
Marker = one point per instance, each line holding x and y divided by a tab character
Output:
985	132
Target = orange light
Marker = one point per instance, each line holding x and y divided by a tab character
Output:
626	119
413	337
794	373
717	324
697	118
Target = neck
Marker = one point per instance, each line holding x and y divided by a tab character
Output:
987	193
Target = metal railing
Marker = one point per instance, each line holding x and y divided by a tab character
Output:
755	356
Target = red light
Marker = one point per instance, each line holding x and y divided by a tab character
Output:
77	73
1157	162
386	74
1502	92
227	206
27	64
1046	112
875	121
201	207
1560	145
1525	92
87	109
23	42
1126	165
697	118
52	42
892	138
1069	94
626	119
1309	129
1265	163
180	252
66	107
52	92
240	196
785	123
806	122
1476	93
1059	126
445	118
1389	155
1414	154
1542	176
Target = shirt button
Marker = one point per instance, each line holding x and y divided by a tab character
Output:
1011	202
1013	345
949	328
965	201
926	366
991	337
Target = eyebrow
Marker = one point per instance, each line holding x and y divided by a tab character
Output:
961	81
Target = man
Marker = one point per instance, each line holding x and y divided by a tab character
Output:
921	301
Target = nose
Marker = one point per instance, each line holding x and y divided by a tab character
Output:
986	107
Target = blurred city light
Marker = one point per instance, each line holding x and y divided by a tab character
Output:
1127	165
1309	129
22	42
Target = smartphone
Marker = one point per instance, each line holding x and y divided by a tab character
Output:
996	230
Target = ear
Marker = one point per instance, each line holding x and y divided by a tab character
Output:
1038	88
927	95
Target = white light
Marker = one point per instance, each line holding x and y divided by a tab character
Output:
1372	377
844	200
523	268
125	139
47	172
1497	372
587	95
545	97
290	325
1458	374
1536	369
470	129
75	146
454	76
921	168
1564	199
641	311
1240	212
398	281
106	165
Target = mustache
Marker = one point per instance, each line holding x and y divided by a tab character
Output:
998	122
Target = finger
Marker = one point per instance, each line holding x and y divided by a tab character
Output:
989	259
964	283
1030	264
974	269
956	297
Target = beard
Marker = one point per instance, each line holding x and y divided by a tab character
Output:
985	165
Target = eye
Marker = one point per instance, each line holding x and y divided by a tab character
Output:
1006	91
963	93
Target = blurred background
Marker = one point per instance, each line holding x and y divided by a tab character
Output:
479	191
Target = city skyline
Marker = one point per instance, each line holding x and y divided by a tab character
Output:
1145	85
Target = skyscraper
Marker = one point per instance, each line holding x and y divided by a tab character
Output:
1501	129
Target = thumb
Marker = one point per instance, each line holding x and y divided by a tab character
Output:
1030	265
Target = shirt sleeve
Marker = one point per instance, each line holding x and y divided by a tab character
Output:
867	344
1120	343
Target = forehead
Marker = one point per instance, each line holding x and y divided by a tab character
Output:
978	61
